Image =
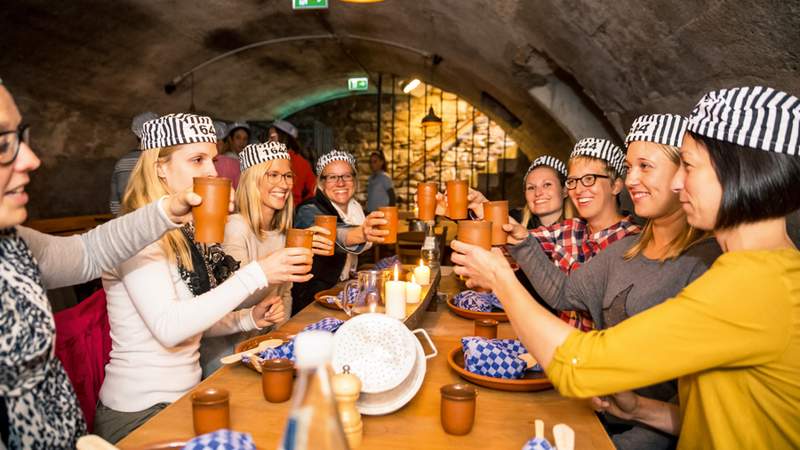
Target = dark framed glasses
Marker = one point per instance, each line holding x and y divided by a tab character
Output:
587	180
10	142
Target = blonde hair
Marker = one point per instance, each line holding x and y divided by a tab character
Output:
144	187
249	202
567	210
688	235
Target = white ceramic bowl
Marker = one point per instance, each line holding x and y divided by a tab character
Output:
394	399
380	351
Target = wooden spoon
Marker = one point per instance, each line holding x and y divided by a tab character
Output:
564	436
263	345
538	425
529	360
94	442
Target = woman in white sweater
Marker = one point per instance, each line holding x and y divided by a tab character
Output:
264	202
162	300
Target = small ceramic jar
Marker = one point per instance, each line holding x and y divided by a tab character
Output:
210	410
277	379
458	408
486	328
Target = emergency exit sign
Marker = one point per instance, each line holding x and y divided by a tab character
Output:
309	4
358	84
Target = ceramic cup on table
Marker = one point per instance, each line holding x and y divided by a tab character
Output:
210	216
426	201
457	191
486	328
296	237
497	213
210	410
277	379
390	214
329	223
458	408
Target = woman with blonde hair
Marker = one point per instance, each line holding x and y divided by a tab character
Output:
545	194
163	299
264	201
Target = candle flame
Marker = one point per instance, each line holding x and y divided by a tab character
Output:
396	273
413	279
421	264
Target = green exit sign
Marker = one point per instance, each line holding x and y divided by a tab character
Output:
358	84
309	4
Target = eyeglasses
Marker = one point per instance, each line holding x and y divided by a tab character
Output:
10	143
587	180
276	177
335	179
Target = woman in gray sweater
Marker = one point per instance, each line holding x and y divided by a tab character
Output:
637	272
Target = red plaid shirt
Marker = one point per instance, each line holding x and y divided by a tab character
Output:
569	245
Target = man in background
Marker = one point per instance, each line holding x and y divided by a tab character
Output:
125	165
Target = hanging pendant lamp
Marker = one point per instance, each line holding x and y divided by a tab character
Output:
431	119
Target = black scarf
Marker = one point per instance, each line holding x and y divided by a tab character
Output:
211	265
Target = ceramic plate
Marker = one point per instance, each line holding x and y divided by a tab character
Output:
476	315
531	382
323	302
253	343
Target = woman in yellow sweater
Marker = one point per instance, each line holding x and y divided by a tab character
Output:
732	337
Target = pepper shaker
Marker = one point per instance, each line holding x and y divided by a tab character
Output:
346	389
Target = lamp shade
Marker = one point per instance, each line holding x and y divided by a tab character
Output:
431	119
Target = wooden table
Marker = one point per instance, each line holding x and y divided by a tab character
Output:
504	420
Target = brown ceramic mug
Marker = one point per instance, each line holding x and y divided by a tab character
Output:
486	328
210	216
297	237
390	214
276	379
457	191
426	201
497	213
210	410
458	408
329	223
475	232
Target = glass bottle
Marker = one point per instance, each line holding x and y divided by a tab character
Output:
430	250
313	421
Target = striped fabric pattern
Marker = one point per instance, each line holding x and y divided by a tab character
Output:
258	153
666	129
335	155
757	117
549	161
601	149
177	129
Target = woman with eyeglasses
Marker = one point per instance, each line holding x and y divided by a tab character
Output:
264	202
38	407
639	271
731	337
163	300
337	183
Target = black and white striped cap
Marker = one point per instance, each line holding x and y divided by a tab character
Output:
549	161
757	117
258	153
601	149
335	155
177	129
667	129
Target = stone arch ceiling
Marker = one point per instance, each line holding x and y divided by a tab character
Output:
83	68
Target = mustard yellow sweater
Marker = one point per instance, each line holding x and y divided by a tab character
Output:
732	338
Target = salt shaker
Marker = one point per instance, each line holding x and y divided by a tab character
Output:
346	389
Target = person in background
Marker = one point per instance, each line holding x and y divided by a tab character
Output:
165	298
355	232
305	183
227	166
545	193
380	190
731	337
38	407
124	165
238	138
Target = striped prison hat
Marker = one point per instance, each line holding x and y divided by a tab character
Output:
549	161
757	117
667	129
601	149
139	120
177	129
335	155
221	129
258	153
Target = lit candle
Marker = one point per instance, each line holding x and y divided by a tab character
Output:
413	290
422	273
396	297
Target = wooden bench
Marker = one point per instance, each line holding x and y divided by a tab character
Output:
67	226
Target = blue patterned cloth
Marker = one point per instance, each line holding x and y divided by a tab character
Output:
387	262
352	296
497	358
477	301
286	350
222	440
537	444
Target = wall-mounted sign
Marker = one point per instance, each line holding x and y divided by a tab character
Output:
309	4
358	84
